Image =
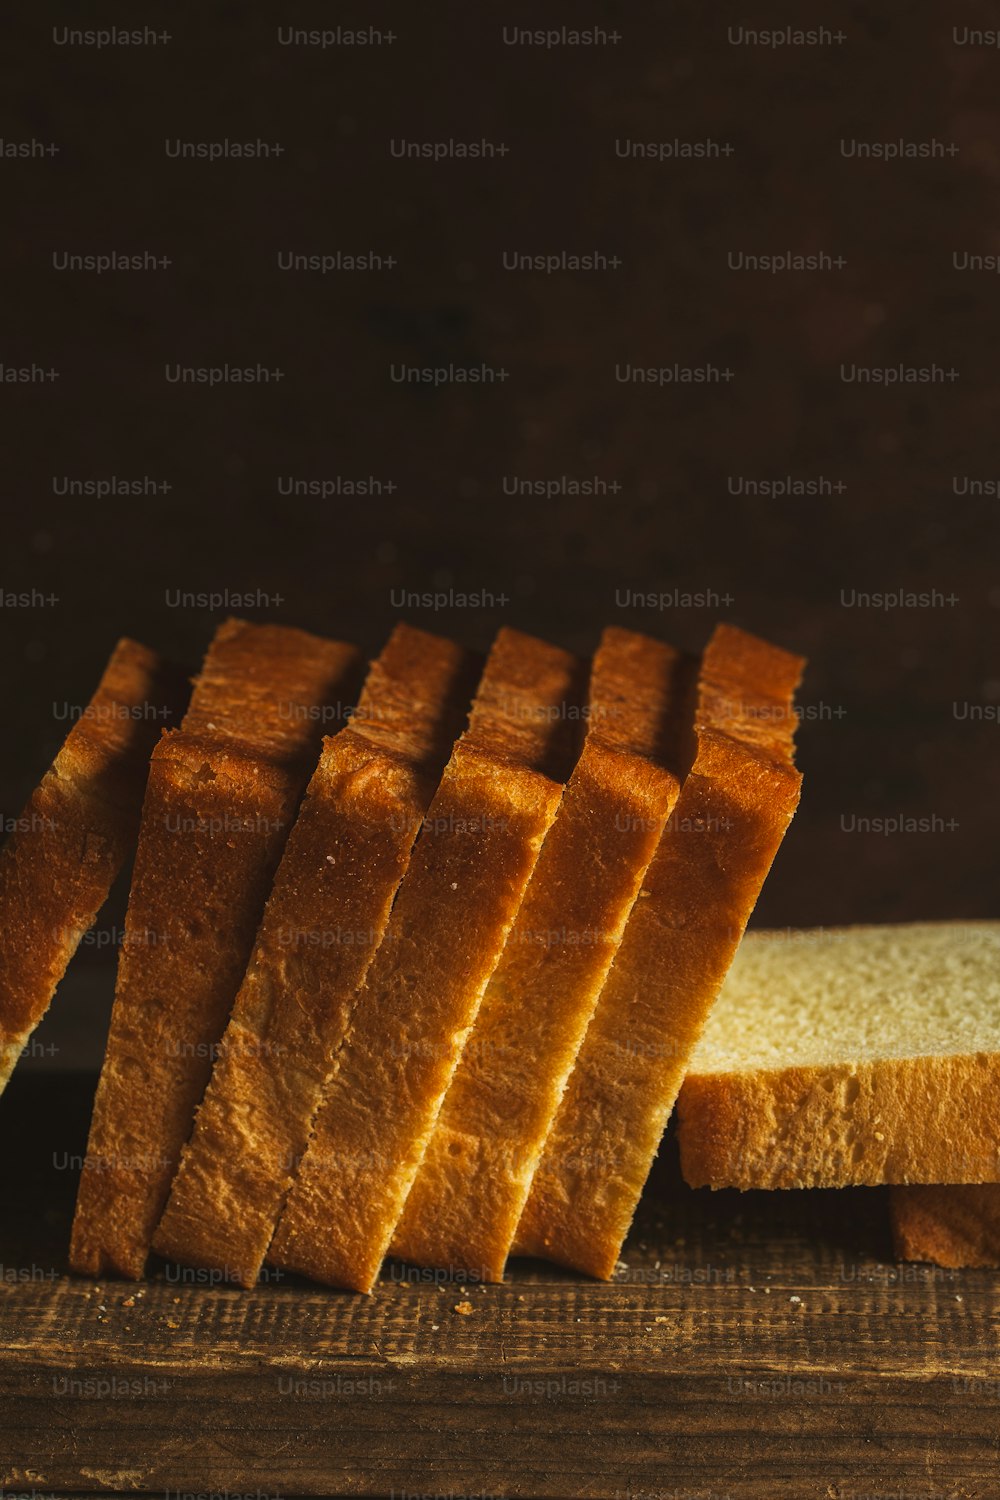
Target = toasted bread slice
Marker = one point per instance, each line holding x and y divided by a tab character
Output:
858	1055
735	805
221	797
467	1198
74	835
324	919
497	798
949	1226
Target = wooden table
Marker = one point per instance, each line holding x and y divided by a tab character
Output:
760	1345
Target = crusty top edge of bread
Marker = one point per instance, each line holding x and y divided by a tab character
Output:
139	696
139	681
746	770
207	759
416	697
529	707
273	689
642	697
746	689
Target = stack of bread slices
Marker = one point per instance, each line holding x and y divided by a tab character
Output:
429	985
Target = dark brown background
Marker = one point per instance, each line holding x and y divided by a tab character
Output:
805	1286
892	744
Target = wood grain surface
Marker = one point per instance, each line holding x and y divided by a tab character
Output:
771	1323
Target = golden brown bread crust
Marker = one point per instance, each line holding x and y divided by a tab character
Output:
896	1120
951	1226
699	891
451	917
325	916
71	840
643	696
528	708
465	1203
746	689
272	690
417	697
218	807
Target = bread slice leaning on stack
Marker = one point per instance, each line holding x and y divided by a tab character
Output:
75	834
467	1198
220	800
325	917
862	1055
735	804
950	1226
469	870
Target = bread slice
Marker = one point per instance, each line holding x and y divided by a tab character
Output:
497	798
325	916
950	1226
467	1198
735	805
74	835
856	1055
221	797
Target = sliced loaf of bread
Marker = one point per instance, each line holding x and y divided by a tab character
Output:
467	1198
455	907
735	805
220	800
75	833
325	917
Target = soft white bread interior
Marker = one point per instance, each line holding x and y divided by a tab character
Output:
855	1055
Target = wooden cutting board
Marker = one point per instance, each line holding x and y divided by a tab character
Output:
759	1345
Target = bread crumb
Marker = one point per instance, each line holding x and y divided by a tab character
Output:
465	1308
435	1327
661	1319
129	1302
795	1299
330	859
454	885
